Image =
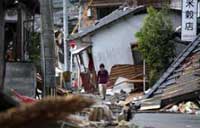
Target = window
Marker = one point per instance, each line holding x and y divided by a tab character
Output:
104	11
137	56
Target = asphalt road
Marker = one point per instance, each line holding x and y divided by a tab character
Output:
157	120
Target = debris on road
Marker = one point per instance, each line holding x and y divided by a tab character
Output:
122	84
188	107
101	112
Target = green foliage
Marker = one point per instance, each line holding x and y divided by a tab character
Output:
34	49
155	42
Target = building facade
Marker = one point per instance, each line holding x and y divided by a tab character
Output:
93	10
113	37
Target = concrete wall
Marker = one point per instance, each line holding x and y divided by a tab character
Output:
111	45
21	77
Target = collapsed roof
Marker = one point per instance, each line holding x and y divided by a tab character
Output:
181	80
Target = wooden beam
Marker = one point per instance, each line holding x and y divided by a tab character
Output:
131	81
186	96
106	4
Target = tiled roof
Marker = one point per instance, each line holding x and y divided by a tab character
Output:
114	16
182	75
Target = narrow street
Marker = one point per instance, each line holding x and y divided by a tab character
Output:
99	63
157	120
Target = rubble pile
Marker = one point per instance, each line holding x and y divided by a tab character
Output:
116	102
101	112
116	109
123	124
185	107
117	97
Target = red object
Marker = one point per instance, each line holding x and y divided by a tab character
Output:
91	64
24	99
89	88
72	43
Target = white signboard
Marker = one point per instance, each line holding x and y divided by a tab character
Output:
189	20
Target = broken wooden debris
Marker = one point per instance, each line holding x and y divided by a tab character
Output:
134	73
151	105
182	84
183	107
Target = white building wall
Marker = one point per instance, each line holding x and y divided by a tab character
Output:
112	45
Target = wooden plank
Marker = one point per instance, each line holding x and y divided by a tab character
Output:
104	3
175	75
130	72
180	91
150	105
186	77
130	81
182	85
169	82
125	73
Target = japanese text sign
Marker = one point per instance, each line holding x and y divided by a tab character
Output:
189	20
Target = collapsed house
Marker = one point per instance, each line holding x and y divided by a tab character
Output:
179	83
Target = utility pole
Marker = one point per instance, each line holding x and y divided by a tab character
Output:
66	77
66	33
47	47
2	44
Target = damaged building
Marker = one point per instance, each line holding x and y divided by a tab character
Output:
179	83
112	40
93	10
17	27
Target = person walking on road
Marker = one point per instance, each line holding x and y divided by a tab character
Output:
102	79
